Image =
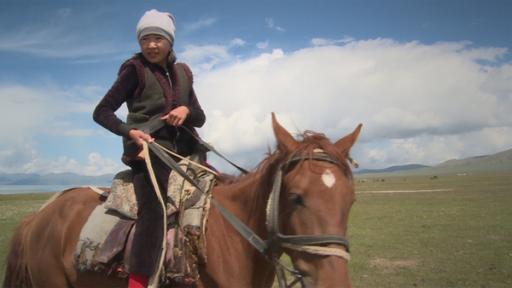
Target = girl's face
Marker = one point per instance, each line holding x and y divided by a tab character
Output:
155	49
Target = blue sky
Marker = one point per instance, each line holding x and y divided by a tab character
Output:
430	80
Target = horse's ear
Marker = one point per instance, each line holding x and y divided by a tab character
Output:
285	141
344	144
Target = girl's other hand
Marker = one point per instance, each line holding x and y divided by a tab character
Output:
177	116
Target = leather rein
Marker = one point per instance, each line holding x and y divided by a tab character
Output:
272	248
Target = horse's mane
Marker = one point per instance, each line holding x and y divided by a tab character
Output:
312	141
309	141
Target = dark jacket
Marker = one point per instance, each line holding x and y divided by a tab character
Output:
146	101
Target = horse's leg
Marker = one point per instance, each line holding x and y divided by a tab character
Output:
53	237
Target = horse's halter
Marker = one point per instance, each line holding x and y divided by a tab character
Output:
313	244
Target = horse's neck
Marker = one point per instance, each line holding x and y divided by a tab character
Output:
239	263
247	199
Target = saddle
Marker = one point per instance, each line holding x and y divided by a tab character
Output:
105	241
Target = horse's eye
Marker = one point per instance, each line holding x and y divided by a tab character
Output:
296	199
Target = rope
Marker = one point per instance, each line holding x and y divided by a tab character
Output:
211	148
319	250
186	159
154	281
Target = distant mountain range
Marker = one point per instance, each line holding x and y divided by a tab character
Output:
392	169
499	162
54	179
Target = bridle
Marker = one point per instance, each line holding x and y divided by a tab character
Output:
313	244
273	247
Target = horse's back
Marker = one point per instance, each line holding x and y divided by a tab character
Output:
46	240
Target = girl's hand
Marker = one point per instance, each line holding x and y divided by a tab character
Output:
139	137
177	116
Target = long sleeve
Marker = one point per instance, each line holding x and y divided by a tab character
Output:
196	118
122	90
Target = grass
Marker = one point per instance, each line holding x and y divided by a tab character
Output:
12	209
456	238
459	238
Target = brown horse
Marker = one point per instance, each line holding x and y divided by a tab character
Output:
315	198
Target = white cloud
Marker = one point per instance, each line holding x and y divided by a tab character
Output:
419	103
434	149
199	24
96	165
327	42
27	110
262	45
50	113
246	128
58	38
272	25
206	57
14	156
55	42
77	132
237	42
405	94
32	109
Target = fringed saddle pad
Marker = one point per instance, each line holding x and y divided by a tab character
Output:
96	230
98	246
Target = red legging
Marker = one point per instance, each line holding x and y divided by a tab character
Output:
137	281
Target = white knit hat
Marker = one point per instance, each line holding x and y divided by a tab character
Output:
156	22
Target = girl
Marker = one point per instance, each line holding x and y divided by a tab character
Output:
161	100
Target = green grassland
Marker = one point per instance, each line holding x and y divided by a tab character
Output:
12	209
460	236
456	238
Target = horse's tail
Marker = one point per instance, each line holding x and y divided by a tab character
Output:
17	273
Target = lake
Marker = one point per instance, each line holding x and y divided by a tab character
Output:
22	189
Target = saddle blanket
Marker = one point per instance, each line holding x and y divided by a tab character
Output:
94	233
107	232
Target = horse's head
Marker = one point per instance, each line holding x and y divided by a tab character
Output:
315	196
